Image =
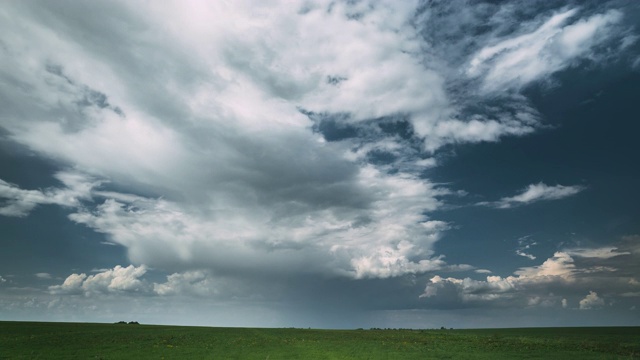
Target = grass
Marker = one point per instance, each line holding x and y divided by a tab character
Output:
31	340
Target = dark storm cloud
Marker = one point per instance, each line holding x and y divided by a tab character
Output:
238	166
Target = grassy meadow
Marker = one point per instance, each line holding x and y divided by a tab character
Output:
32	340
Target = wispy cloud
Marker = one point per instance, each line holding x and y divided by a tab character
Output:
43	276
598	253
19	202
534	193
521	252
524	244
516	61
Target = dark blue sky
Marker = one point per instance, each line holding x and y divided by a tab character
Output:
590	141
347	164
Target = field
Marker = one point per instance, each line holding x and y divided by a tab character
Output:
31	340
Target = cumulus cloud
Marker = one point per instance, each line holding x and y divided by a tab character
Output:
376	237
551	283
534	193
135	281
592	300
71	285
117	280
377	240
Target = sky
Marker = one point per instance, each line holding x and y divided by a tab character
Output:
326	164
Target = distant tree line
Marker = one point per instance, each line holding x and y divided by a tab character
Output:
402	329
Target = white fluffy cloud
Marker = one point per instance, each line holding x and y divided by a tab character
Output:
592	300
550	284
134	281
559	268
71	285
117	280
534	193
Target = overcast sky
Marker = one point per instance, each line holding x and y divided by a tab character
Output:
333	164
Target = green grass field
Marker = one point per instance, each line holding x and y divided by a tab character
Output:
31	340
